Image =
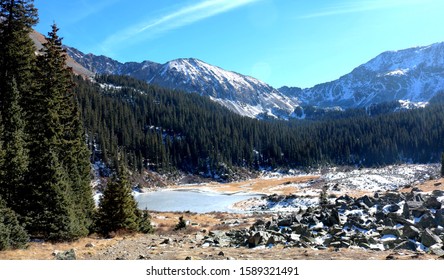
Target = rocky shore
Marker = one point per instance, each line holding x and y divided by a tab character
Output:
387	225
391	220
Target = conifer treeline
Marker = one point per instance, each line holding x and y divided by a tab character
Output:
44	160
165	130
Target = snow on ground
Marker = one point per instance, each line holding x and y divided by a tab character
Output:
382	179
340	182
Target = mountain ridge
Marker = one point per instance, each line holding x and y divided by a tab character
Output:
242	94
413	74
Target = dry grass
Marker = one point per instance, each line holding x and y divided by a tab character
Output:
45	250
260	186
428	186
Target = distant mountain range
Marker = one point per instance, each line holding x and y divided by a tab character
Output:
413	75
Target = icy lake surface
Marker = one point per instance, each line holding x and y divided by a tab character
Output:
190	200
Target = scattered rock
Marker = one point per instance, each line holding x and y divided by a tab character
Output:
166	241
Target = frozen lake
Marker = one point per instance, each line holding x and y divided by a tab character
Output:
190	200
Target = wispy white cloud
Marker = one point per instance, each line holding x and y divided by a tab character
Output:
362	6
173	20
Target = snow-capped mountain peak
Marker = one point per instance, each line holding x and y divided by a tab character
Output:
429	56
414	74
242	94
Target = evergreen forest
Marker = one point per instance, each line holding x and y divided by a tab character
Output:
165	130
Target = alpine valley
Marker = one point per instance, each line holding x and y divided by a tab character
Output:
409	77
107	160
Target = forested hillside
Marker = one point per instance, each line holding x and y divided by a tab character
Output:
165	130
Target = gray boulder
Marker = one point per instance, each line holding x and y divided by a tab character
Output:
406	245
392	208
428	238
432	203
426	221
285	222
406	211
439	217
369	202
258	238
437	193
437	249
300	229
410	232
391	231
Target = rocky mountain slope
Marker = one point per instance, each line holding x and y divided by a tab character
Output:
242	94
414	74
77	68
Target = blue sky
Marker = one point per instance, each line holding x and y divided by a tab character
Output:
282	42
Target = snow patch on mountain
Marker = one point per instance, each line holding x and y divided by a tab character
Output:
398	72
406	104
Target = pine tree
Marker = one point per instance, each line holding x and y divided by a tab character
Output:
60	199
17	67
71	143
117	207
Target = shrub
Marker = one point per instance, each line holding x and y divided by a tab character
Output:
181	224
145	222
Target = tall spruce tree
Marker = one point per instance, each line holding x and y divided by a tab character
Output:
60	201
17	68
72	148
